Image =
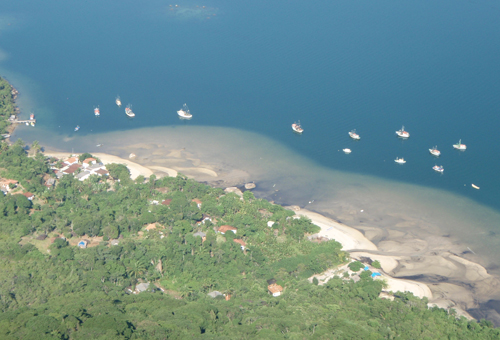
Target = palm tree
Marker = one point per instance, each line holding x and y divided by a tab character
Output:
136	268
35	146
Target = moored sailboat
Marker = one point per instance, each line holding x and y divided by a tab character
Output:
434	151
118	101
460	146
128	111
402	133
184	113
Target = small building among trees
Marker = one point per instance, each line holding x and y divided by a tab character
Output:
275	289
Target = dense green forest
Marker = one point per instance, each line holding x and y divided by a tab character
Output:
52	289
7	105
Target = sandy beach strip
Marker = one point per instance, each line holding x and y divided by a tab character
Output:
350	238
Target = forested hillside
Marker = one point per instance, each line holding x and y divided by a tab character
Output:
52	289
7	105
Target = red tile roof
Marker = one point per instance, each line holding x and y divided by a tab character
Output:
8	181
72	168
240	242
197	201
28	194
166	202
274	288
225	228
102	172
72	160
88	160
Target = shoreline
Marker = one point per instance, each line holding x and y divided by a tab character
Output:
401	270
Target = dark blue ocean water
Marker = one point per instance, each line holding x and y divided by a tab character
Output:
372	66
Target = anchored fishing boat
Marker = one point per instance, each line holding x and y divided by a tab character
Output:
128	111
77	128
435	152
347	151
400	160
460	146
97	112
438	168
118	101
184	112
402	133
296	127
354	135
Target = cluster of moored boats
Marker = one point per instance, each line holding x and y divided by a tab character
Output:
402	133
183	113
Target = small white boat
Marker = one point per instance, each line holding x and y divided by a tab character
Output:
402	133
438	168
77	128
347	151
435	152
184	112
354	135
128	111
475	186
400	160
296	127
118	101
97	112
460	146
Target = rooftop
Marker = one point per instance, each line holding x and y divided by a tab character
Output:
225	228
274	288
88	160
240	242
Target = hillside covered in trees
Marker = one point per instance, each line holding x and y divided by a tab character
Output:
163	232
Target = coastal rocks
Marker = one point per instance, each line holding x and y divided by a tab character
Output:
234	190
250	186
294	207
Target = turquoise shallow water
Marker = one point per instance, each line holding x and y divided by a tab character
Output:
260	66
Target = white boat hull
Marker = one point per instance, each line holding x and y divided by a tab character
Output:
184	115
347	151
297	129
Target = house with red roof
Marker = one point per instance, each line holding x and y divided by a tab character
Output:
241	243
198	202
89	161
275	289
225	228
5	184
71	161
71	169
166	202
29	195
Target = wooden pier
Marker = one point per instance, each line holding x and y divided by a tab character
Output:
29	121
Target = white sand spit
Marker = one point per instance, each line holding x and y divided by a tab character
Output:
349	238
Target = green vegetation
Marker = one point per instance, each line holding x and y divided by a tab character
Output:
7	105
51	289
356	266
